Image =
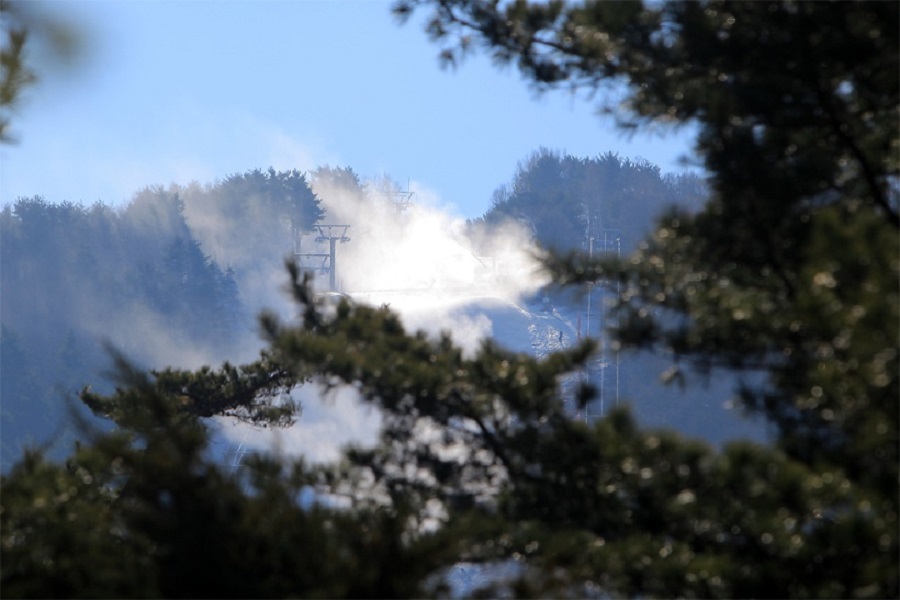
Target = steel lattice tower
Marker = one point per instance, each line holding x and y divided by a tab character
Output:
601	297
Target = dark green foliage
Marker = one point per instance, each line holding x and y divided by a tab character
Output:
790	274
145	512
824	125
788	277
483	445
631	511
823	334
483	441
258	392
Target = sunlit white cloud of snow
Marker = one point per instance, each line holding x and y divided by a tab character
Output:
421	253
421	260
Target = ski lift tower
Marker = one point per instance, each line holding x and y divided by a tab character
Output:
401	199
608	242
325	233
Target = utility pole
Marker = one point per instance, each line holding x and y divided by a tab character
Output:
401	199
588	331
326	233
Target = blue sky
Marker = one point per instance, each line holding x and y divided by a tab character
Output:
197	90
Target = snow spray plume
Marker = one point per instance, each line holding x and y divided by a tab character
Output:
409	252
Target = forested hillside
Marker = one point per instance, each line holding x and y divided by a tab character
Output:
144	279
567	200
178	276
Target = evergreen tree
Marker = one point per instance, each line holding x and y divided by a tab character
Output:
789	274
73	277
338	178
567	201
146	512
284	194
772	277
